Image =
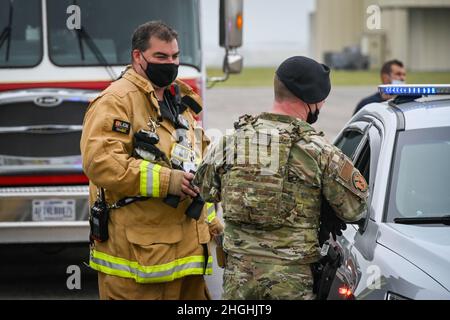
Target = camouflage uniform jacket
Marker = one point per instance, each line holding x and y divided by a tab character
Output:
281	220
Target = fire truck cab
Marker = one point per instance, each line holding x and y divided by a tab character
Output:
55	57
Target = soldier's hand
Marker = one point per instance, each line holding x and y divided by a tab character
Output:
337	231
187	187
329	223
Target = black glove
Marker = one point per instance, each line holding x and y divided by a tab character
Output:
329	223
145	141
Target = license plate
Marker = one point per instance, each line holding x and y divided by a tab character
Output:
53	210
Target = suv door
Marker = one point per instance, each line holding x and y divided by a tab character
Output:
361	142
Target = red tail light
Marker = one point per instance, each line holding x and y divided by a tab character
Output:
43	180
346	292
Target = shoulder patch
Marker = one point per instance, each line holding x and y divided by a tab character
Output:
346	171
121	126
359	182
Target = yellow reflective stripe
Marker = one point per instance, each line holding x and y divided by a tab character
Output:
147	269
143	178
210	211
156	169
152	279
119	262
173	276
107	257
149	179
110	271
193	265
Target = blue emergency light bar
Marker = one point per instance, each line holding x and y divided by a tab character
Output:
415	89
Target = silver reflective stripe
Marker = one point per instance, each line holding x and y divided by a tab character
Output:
211	209
142	274
150	179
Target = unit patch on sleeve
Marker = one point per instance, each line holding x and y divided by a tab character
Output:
121	126
346	170
359	182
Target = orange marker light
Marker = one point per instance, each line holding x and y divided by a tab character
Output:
239	21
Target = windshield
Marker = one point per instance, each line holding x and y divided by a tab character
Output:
421	173
110	25
20	33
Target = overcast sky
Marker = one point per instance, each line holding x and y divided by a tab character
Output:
273	30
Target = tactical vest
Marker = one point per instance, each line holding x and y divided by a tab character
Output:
261	189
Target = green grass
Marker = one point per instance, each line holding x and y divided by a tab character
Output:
263	77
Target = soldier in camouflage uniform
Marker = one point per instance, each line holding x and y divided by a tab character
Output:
272	175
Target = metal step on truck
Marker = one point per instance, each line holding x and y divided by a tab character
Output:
55	57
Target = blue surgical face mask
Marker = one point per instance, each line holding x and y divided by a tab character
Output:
395	82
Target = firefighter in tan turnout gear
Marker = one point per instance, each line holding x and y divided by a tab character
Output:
139	142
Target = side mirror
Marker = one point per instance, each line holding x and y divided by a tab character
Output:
230	38
231	23
232	63
362	223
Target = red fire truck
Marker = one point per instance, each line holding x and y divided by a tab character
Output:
55	57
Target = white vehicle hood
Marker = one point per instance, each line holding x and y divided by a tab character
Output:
427	247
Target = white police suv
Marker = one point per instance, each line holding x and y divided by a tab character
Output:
401	250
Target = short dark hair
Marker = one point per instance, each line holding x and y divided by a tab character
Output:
387	66
144	32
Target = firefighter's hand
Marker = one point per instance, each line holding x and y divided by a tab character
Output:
177	183
187	187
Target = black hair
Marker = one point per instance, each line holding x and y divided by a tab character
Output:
144	32
387	66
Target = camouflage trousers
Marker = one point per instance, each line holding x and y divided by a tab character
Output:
246	279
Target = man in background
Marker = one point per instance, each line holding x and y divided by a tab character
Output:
392	72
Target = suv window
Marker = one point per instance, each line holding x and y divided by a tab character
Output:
362	163
419	180
349	142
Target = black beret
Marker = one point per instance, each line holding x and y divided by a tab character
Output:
307	79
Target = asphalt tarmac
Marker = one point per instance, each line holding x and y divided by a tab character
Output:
51	272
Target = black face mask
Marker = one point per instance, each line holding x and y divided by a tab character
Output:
312	117
161	74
